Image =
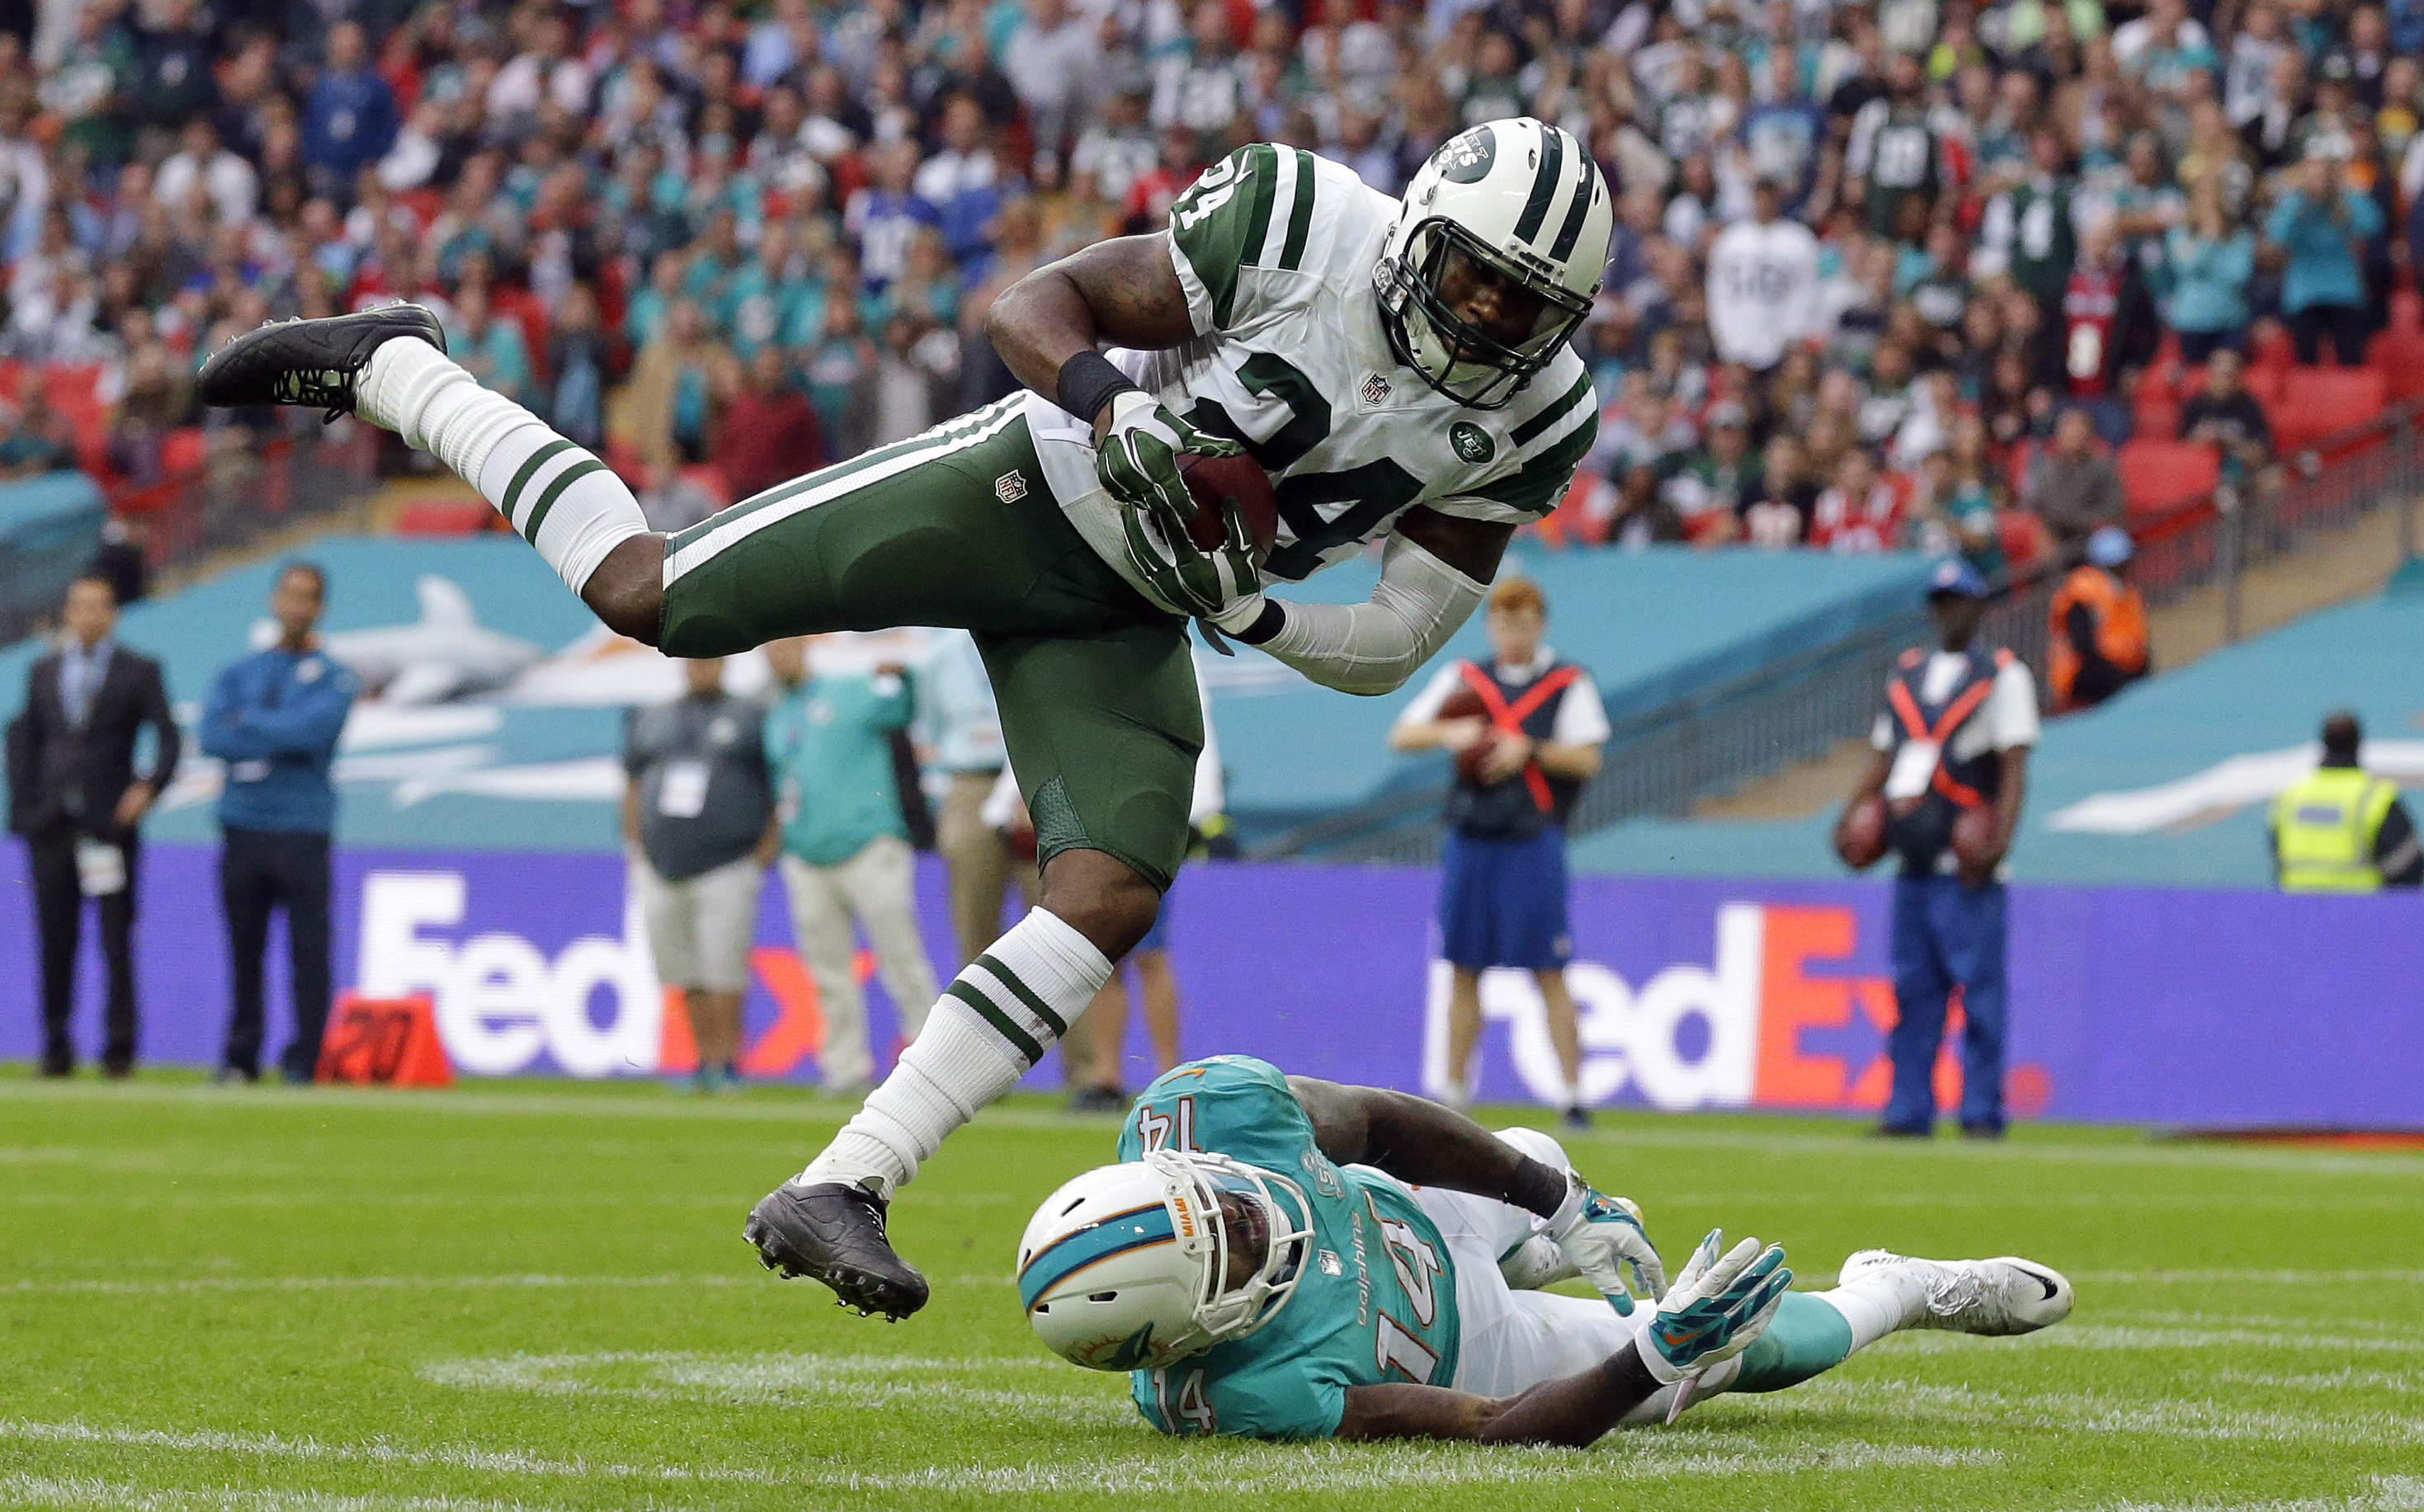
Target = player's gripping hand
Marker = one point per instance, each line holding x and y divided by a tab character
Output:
1600	1235
1138	460
1137	457
1719	1305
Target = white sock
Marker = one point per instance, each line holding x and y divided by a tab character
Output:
1878	1304
992	1024
564	500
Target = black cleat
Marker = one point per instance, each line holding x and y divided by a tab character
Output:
311	363
832	1232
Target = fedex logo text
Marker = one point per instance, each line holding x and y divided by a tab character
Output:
1777	1019
500	1002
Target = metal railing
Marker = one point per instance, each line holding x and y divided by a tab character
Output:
1666	761
245	487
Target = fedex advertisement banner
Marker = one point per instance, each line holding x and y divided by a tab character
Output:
2204	1009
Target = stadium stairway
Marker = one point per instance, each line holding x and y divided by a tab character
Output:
2332	569
2164	785
1310	773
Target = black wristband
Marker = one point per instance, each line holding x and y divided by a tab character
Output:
1267	623
1538	1187
1088	382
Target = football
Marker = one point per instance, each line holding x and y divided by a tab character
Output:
1237	481
1464	702
1860	834
1973	837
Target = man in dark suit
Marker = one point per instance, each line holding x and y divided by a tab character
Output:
74	796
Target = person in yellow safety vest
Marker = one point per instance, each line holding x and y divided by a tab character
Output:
2340	830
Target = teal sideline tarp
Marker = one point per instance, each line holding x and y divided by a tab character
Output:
49	528
1651	627
2254	702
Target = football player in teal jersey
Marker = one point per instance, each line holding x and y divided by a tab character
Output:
1277	1257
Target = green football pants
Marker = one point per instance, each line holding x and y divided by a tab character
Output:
957	529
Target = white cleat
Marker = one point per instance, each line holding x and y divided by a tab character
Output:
1989	1297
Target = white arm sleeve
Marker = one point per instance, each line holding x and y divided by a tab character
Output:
1373	646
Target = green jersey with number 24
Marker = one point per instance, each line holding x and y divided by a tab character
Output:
1277	249
1375	1301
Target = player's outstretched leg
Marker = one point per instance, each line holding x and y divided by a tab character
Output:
1879	1292
994	1021
389	367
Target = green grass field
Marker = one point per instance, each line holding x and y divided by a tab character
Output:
535	1295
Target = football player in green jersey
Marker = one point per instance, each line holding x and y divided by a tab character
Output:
1400	367
1283	1258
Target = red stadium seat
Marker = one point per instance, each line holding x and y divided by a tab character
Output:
445	517
2026	541
2316	401
2155	417
2407	312
185	449
2268	346
2160	476
2398	356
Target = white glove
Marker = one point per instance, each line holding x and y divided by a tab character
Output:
1599	1235
1719	1306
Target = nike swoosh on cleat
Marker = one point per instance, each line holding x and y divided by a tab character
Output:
2052	1291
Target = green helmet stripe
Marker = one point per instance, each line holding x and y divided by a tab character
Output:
1585	191
1544	185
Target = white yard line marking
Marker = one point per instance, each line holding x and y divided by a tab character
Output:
187	1285
375	1452
2257	1278
2390	1494
1220	1467
2347	1378
803	1115
124	1496
2124	1336
2075	1410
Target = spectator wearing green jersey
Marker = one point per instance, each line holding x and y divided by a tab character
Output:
845	855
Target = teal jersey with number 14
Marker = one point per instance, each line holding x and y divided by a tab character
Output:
1377	1302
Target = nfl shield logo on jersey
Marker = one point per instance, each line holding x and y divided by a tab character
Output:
1471	443
1376	389
1011	486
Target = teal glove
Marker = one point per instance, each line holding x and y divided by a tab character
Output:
1717	1308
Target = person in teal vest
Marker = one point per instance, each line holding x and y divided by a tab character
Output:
2340	829
846	860
1277	1257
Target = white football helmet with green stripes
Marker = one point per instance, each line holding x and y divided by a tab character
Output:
1128	1266
1514	203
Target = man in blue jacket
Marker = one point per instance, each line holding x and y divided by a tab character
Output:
274	718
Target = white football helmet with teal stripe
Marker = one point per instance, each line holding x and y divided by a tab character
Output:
1522	200
1127	1267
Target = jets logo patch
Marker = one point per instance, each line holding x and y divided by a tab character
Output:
1467	158
1471	443
1011	486
1376	389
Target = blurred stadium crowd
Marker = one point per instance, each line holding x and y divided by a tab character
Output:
724	242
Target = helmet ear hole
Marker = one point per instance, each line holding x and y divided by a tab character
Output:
1103	1297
